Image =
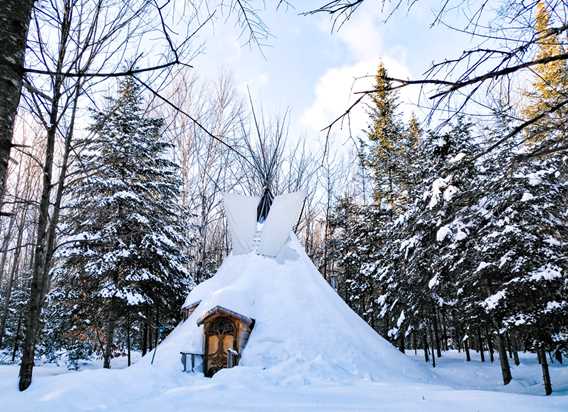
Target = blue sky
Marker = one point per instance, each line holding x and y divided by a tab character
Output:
311	71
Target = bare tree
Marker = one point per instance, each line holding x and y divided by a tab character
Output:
505	51
89	42
15	18
207	164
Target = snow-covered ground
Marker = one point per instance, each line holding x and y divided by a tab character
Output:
308	352
527	378
455	386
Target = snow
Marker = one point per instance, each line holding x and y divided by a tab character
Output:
482	266
455	385
437	187
307	352
527	196
441	187
450	192
457	226
457	157
442	233
546	272
302	328
401	319
493	301
555	306
433	282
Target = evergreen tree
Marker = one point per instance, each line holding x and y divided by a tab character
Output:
127	228
344	224
516	255
414	295
550	85
385	130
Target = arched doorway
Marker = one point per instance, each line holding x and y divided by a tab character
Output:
223	330
221	335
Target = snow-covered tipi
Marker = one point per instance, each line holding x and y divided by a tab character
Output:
269	309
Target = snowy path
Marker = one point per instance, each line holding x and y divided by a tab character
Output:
141	390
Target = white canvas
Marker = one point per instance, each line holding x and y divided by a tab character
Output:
283	214
241	217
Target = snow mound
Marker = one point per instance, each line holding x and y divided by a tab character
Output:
303	330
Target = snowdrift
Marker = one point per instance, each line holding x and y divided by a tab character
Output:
303	330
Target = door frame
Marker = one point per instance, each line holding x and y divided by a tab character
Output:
208	331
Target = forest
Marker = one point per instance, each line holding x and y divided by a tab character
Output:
442	222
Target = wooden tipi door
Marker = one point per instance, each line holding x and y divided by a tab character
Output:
221	335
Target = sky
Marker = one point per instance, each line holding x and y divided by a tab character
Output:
312	70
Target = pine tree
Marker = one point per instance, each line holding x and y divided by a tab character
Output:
384	132
414	294
344	224
551	82
414	130
500	250
127	227
517	254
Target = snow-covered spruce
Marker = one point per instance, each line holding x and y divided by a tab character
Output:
124	256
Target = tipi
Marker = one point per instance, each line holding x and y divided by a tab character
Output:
270	310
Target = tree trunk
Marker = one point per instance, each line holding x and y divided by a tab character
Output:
109	337
56	208
40	258
436	335
466	349
40	269
15	16
150	330
444	331
457	328
13	271
157	332
401	343
432	345
490	346
16	338
509	345
545	372
425	345
503	360
5	244
516	356
558	355
414	343
128	329
144	338
480	340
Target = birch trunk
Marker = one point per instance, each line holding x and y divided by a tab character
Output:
15	16
40	253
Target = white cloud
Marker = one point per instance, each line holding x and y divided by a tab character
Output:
334	92
334	89
361	36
